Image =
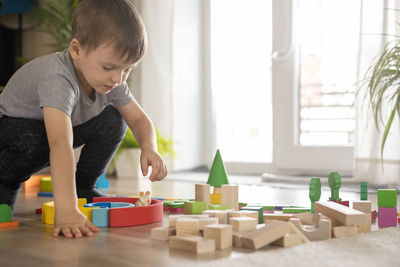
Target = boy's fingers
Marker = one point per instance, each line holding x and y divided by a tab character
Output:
85	230
91	226
76	232
155	170
143	165
56	231
66	232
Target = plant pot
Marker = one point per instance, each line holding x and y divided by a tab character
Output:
128	163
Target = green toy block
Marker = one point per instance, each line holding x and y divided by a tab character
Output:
261	205
5	213
387	198
194	207
219	207
295	210
217	176
176	205
242	204
335	182
364	191
45	184
314	191
259	210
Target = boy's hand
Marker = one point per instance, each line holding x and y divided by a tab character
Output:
73	224
151	158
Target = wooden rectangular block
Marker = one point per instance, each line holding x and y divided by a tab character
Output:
202	192
230	196
289	240
266	235
221	233
172	218
344	231
162	233
195	244
206	221
184	223
243	224
340	213
277	217
363	206
222	215
182	232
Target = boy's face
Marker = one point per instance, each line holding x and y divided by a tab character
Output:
101	69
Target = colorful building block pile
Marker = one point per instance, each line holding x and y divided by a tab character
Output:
387	207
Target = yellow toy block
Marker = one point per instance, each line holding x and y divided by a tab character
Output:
215	198
45	184
48	211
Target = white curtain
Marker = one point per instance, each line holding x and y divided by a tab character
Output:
378	26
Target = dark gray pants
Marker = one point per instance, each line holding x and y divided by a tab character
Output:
24	150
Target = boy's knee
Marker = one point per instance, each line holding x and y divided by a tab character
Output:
115	122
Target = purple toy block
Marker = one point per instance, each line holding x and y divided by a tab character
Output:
387	217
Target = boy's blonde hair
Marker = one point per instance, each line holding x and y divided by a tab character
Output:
110	22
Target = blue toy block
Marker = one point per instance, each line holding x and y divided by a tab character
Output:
102	182
100	217
45	194
121	205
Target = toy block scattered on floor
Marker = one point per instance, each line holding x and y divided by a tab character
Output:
172	218
202	193
363	206
335	182
194	207
314	191
162	233
321	231
230	195
45	184
102	182
344	231
289	240
206	221
271	232
194	244
9	224
32	183
387	198
343	202
45	194
277	217
222	215
307	218
387	217
5	213
243	224
257	209
215	198
187	226
221	233
218	207
364	191
342	214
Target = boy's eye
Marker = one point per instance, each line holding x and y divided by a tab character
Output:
106	68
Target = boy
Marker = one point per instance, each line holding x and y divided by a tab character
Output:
77	97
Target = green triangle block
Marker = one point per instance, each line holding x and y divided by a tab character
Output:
217	176
5	213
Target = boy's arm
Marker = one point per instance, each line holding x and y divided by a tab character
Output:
68	219
143	130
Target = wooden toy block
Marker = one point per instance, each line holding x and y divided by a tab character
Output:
187	232
185	223
289	240
344	231
363	206
277	217
343	202
314	191
194	244
387	198
217	176
364	191
295	230
335	182
363	228
295	210
230	196
162	233
217	190
243	224
308	217
314	232
221	233
219	207
271	232
237	213
5	213
194	207
9	224
206	221
258	209
340	213
45	184
215	198
202	192
172	218
251	213
387	217
222	215
237	239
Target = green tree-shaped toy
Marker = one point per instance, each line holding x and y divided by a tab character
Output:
335	181
315	191
217	176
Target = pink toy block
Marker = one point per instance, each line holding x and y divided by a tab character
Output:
387	217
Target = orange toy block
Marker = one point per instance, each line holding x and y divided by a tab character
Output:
221	233
340	213
194	244
9	224
33	182
315	232
162	233
266	235
243	224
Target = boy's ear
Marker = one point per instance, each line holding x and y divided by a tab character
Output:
75	48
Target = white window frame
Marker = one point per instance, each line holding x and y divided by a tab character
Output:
288	155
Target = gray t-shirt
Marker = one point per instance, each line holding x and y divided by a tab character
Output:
51	81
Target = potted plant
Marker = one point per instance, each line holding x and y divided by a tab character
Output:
126	161
383	88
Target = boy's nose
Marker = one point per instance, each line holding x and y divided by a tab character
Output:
117	78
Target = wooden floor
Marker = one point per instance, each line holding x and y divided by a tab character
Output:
31	243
